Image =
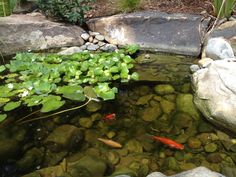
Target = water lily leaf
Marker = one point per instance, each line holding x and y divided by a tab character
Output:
43	87
89	92
34	100
2	68
4	100
11	105
75	96
2	117
114	69
109	95
135	76
51	105
69	89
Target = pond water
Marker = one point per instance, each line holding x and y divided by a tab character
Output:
69	145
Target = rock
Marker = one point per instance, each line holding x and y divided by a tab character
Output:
100	37
186	88
31	159
90	40
151	113
36	33
92	33
170	163
229	171
146	28
182	120
85	36
92	47
93	106
144	99
70	51
124	172
53	158
113	157
205	62
86	122
64	137
187	166
134	146
214	93
8	149
211	147
194	143
218	49
164	89
95	41
197	172
184	103
109	48
194	68
227	31
96	166
167	106
214	157
100	43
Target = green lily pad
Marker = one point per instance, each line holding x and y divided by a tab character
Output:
51	104
2	68
2	117
4	100
75	96
89	92
135	76
34	100
69	89
11	105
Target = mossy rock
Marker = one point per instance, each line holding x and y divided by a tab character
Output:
164	89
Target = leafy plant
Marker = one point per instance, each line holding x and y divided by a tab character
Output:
67	10
224	8
7	6
49	80
129	5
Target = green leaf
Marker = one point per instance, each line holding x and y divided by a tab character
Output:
2	68
89	92
2	117
135	76
109	95
75	96
11	105
4	100
51	104
69	89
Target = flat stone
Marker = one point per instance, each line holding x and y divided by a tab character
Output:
85	36
156	31
70	51
100	37
22	32
92	47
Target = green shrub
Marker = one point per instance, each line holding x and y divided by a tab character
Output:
129	5
67	10
6	7
226	10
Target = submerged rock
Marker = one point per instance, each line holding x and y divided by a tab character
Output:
211	147
164	89
151	113
63	137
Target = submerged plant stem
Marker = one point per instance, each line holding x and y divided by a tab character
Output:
63	111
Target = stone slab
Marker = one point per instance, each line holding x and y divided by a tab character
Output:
156	31
19	33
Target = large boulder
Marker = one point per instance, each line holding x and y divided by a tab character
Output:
157	31
215	92
197	172
226	30
34	32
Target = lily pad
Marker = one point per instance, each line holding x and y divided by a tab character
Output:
2	117
51	105
2	68
11	105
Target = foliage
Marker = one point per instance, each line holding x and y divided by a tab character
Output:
224	8
67	10
49	80
6	7
129	5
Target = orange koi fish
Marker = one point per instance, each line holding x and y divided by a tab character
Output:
168	142
110	143
109	117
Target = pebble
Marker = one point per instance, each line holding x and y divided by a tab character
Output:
85	36
211	147
194	143
92	47
100	37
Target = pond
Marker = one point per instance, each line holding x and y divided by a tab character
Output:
160	105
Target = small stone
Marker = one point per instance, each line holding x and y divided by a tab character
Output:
182	120
86	122
95	41
90	39
134	146
147	56
85	36
109	47
111	134
164	89
144	99
167	106
100	43
214	158
92	33
83	47
211	147
194	143
151	113
113	157
187	166
186	88
194	68
92	47
100	37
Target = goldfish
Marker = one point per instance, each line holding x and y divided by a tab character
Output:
110	143
109	117
168	142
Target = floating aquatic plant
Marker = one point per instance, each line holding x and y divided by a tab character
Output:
49	80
